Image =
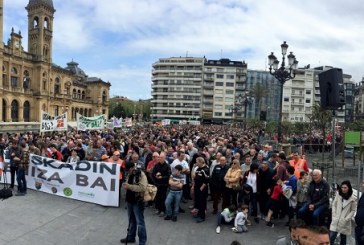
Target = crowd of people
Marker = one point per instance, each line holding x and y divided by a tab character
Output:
246	179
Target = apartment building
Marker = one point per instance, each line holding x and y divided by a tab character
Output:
224	81
298	96
176	88
267	105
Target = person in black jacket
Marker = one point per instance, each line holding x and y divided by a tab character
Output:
217	184
266	185
359	221
15	154
201	188
161	173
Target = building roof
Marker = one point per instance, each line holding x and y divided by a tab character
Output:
73	67
48	3
225	62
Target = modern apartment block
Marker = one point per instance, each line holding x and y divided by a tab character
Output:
269	104
223	82
298	96
177	88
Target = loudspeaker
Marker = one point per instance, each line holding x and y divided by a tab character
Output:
332	89
263	116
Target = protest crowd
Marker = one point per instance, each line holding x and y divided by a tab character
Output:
246	180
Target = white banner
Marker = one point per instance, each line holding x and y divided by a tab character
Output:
166	122
96	182
90	123
51	123
117	123
128	122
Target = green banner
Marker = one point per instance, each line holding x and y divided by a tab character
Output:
352	138
90	123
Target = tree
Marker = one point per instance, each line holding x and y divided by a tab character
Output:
321	119
259	92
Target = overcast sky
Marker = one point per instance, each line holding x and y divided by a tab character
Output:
118	40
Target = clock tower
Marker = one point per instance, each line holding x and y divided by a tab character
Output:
40	29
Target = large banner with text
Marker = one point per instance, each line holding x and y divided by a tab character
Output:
51	123
90	123
88	181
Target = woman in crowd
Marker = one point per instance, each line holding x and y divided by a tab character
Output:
343	210
232	180
251	178
201	181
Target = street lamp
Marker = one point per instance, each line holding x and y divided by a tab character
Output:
248	99
282	74
236	107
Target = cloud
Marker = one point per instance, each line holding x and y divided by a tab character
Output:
127	36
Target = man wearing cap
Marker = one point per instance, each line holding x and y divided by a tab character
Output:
135	186
116	160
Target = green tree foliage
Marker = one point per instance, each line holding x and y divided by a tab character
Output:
259	92
358	125
128	108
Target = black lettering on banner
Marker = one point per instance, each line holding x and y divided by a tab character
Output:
49	125
46	116
111	168
81	180
55	176
99	182
41	174
37	160
83	165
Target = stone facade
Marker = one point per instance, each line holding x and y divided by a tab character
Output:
30	82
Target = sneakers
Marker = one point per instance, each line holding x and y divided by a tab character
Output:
199	220
234	229
168	218
126	240
161	214
270	224
218	230
174	218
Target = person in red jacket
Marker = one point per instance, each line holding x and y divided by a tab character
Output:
273	203
55	154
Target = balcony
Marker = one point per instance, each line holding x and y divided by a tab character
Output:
298	95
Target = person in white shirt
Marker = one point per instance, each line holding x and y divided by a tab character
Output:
240	220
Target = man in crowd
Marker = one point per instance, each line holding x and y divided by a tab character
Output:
217	184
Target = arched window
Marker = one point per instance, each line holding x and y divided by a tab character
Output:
89	112
81	111
74	94
104	96
45	51
57	86
14	111
78	94
36	22
26	111
46	21
5	80
14	71
73	114
83	95
26	80
4	110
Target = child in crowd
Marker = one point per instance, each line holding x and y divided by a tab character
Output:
273	203
227	216
240	219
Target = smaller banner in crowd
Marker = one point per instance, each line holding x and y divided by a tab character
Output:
96	182
182	122
51	123
128	122
90	123
194	122
117	122
166	122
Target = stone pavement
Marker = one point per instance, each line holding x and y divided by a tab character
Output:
43	219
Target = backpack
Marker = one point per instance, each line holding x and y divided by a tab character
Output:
5	193
150	193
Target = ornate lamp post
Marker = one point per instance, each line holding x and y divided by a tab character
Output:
236	107
282	74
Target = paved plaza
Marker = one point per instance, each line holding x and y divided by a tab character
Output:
43	219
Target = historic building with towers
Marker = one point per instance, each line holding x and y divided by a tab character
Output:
31	83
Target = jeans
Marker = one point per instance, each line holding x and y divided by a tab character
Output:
221	220
333	235
136	220
13	170
303	212
22	182
358	235
173	198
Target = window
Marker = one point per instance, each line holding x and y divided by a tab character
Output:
219	76
230	76
218	114
230	84
349	92
218	107
220	69
219	91
14	111
227	99
26	111
208	69
308	91
219	84
308	101
286	99
57	86
218	98
14	82
228	91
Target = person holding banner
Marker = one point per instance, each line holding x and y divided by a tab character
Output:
15	154
135	185
22	166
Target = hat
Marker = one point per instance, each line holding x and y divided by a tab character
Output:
104	157
116	153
